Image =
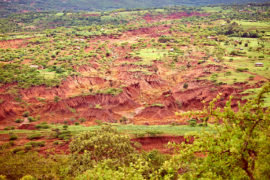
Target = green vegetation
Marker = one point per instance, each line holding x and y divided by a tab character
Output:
252	94
239	149
34	136
149	55
66	70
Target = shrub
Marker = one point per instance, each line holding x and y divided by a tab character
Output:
2	177
153	133
26	114
57	99
105	143
9	128
28	177
98	106
185	85
31	119
13	137
28	147
57	142
241	69
82	120
18	120
64	135
18	149
251	77
36	143
123	120
99	122
155	159
42	126
15	166
34	136
77	123
192	122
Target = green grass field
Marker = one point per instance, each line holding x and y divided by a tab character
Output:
128	129
149	55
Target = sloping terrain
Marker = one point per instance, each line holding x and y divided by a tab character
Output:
37	5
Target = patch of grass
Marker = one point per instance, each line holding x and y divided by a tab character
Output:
112	91
149	55
157	105
129	129
253	92
142	129
229	77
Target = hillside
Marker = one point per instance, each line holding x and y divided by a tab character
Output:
139	94
9	6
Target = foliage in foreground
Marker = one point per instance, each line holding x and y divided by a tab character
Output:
88	148
239	150
15	166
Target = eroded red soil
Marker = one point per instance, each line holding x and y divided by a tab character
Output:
150	96
160	143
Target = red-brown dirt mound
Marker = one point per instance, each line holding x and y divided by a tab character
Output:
8	107
14	43
101	114
160	142
67	87
199	91
99	106
167	107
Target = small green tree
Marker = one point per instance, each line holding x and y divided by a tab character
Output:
88	148
240	148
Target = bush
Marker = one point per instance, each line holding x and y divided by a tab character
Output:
26	114
28	147
31	119
36	143
153	133
18	149
43	125
9	128
123	120
185	86
64	135
18	120
28	177
13	137
241	69
192	122
105	143
15	166
57	142
82	120
34	136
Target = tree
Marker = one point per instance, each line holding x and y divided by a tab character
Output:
91	147
240	148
